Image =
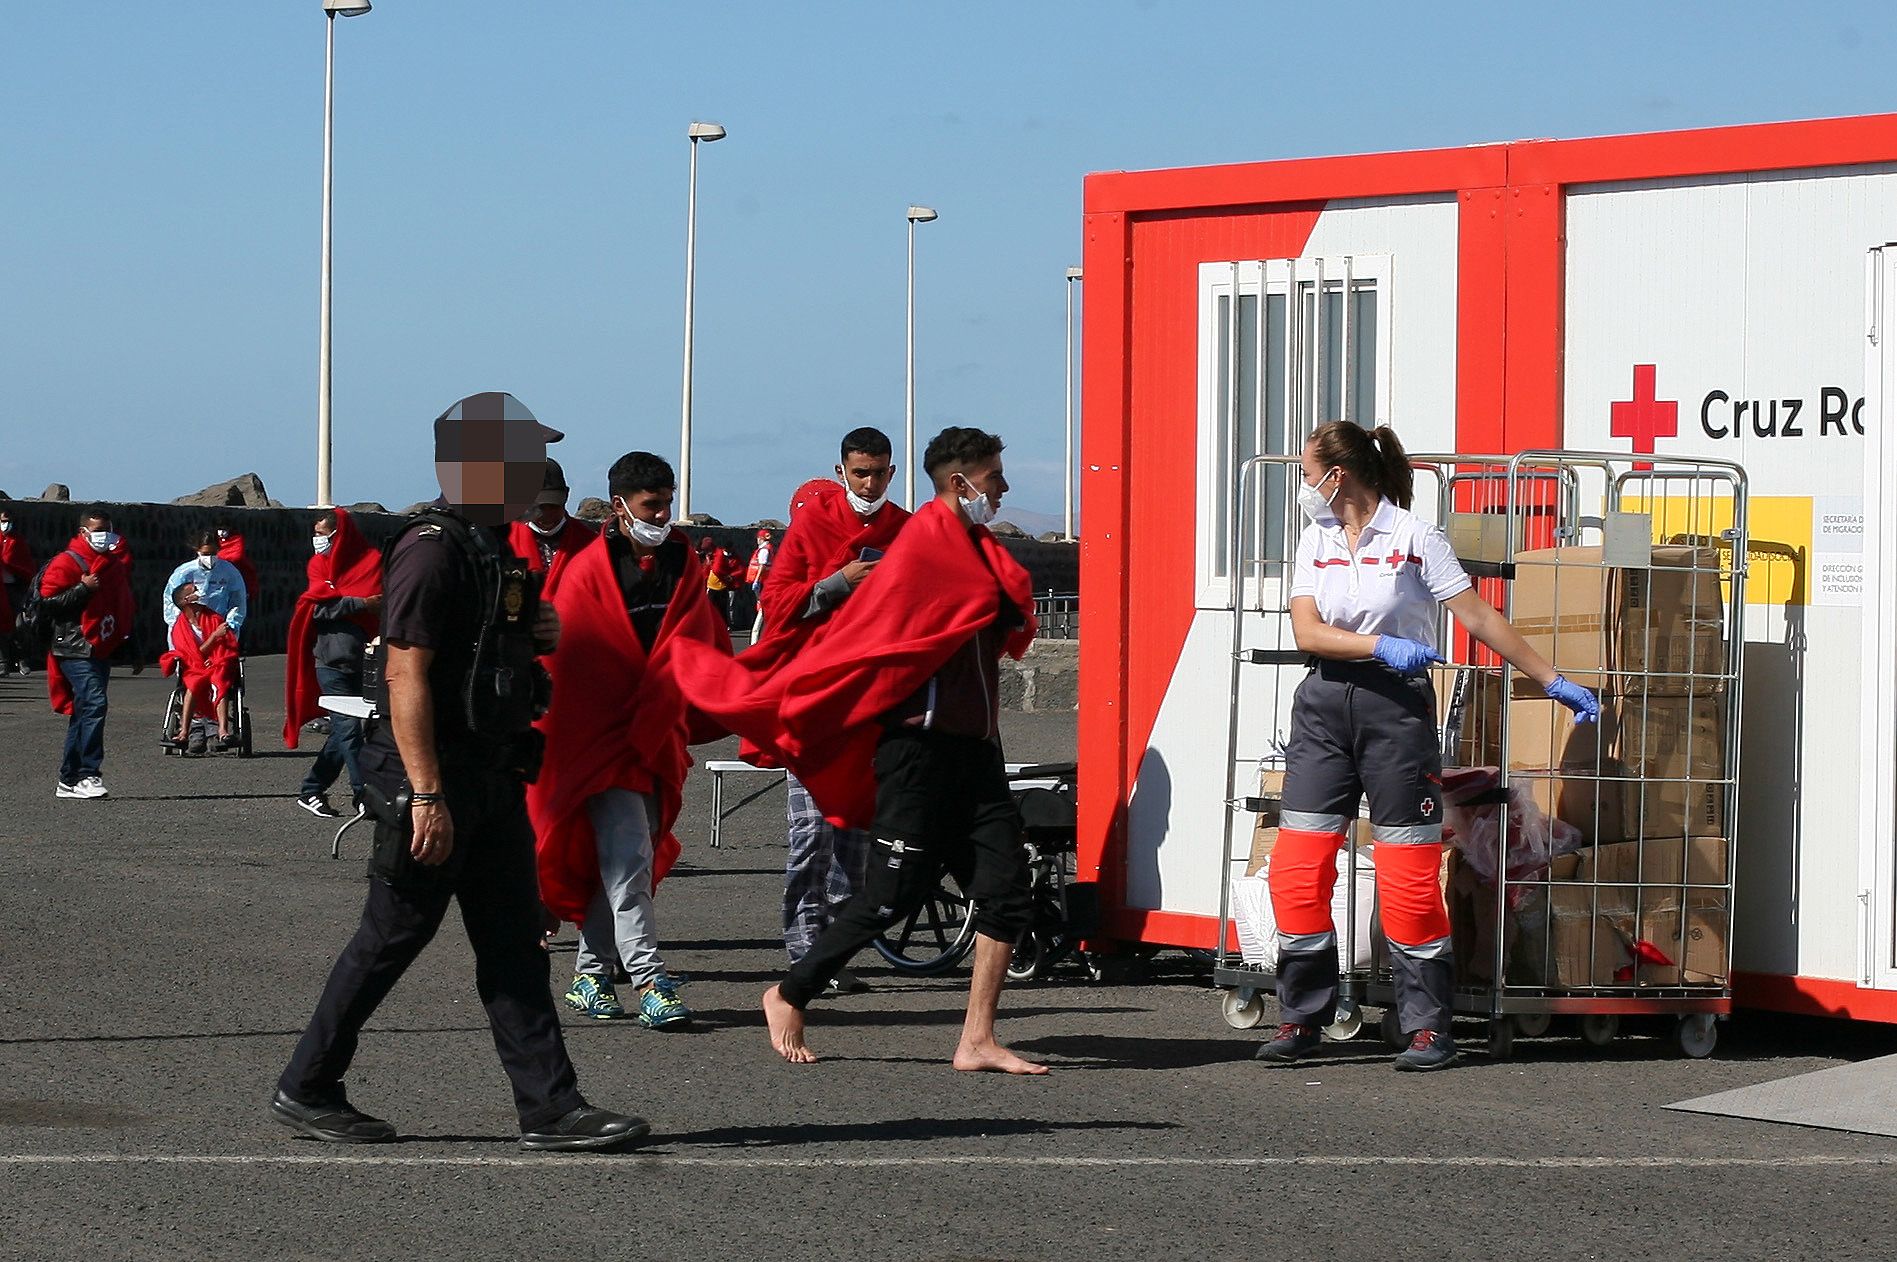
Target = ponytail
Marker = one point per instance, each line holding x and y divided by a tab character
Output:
1376	459
1398	479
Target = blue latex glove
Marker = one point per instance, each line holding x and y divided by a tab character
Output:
1405	657
1586	705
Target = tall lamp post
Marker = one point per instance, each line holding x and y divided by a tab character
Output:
696	132
1067	514
332	9
917	214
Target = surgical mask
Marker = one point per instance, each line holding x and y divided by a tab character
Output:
863	507
321	543
1314	502
544	531
648	533
6	527
204	563
223	534
102	540
980	510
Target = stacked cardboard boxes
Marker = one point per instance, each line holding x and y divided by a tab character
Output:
1646	789
1265	830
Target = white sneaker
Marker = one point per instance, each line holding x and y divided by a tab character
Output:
90	787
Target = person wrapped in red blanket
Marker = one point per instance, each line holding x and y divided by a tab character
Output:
337	615
86	592
546	538
613	774
230	547
203	654
829	551
890	717
17	568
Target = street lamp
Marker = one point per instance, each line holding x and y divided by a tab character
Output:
332	9
696	132
917	214
1067	515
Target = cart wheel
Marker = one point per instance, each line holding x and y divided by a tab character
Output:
1242	1009
1502	1038
1347	1026
1532	1025
1391	1028
1599	1028
1697	1035
1025	963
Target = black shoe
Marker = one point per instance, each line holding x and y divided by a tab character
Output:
195	749
1427	1050
586	1129
846	983
1293	1043
334	1122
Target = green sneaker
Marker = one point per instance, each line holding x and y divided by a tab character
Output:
660	1008
595	997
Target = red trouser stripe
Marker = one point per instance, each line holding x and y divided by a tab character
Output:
1409	893
1303	873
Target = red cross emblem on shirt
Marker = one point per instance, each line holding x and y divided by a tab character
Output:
1644	418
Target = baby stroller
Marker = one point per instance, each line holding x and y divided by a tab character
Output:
240	737
941	932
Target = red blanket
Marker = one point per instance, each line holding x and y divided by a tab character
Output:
231	548
105	620
16	558
351	567
569	543
618	720
818	712
824	536
207	676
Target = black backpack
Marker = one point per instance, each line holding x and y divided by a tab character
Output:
33	626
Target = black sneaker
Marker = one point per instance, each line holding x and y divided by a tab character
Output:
1427	1050
1293	1043
586	1129
846	983
333	1122
318	805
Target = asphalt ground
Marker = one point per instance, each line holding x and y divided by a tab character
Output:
163	949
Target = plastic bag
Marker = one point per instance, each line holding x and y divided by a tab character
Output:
1472	823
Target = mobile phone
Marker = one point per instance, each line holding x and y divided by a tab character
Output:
870	554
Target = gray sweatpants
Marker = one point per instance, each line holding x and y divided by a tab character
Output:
619	922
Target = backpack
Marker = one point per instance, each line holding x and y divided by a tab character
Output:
33	625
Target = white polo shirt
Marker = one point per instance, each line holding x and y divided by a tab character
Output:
1403	570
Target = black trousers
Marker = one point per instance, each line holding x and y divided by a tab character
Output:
492	875
942	805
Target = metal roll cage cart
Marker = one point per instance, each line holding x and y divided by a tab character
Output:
1593	915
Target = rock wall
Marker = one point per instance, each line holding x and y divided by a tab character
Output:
277	541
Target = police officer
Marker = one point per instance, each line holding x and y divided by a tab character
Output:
444	765
1366	603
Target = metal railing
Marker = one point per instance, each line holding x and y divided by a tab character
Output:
1058	615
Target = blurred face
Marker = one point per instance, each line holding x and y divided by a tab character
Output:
326	526
866	475
188	594
547	516
982	479
491	470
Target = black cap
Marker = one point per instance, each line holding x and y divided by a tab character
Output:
554	489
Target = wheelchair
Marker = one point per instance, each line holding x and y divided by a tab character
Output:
940	933
240	718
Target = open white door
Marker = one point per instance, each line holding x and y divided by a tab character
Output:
1877	811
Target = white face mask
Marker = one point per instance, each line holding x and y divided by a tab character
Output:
1314	502
102	540
980	510
6	527
648	533
204	563
321	543
863	507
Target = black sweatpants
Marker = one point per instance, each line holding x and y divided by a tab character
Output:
493	876
942	805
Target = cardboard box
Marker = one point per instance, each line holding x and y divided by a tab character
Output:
1676	748
1588	940
1661	863
1264	834
1685	926
1598	625
1692	935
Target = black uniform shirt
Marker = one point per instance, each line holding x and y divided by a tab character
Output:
646	583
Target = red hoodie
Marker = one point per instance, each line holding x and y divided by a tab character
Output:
569	542
16	558
820	711
351	567
105	620
618	720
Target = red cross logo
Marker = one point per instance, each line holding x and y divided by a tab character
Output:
1644	418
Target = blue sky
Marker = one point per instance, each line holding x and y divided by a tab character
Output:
510	204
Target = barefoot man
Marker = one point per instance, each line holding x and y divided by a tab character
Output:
890	718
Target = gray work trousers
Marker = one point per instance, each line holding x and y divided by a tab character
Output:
619	924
